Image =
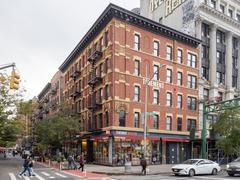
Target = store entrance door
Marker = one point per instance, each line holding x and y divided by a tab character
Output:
172	153
90	151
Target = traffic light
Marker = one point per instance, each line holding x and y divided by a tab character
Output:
15	79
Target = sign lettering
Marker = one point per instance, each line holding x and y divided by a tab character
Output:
153	83
154	4
171	5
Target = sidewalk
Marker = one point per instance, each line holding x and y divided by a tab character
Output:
135	170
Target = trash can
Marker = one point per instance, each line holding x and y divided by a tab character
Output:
128	167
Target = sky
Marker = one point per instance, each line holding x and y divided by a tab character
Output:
38	35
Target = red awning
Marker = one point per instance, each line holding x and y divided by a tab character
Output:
136	137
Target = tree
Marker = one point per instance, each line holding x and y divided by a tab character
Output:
9	126
228	127
54	131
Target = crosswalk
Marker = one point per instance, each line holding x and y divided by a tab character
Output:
39	176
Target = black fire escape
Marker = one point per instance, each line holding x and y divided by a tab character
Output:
75	91
94	99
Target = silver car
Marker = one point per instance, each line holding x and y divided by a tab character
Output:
234	167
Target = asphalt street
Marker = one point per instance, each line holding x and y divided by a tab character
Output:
10	168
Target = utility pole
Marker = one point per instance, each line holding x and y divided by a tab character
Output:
204	131
145	107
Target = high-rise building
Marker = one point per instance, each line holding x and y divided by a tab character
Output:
105	80
217	24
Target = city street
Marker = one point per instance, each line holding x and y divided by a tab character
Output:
10	168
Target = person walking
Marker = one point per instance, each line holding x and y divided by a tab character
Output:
70	161
30	164
26	167
143	163
81	162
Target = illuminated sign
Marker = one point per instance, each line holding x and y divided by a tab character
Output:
154	4
171	5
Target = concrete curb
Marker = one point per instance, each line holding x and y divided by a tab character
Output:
128	173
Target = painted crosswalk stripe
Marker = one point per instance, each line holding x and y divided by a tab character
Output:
60	175
46	174
26	177
39	177
12	176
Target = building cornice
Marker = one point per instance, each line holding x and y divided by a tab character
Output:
113	11
44	91
220	15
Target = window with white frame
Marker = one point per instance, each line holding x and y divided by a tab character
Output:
230	12
137	42
191	124
222	8
169	99
213	3
169	53
179	124
156	72
156	48
155	121
192	103
179	56
155	96
179	78
169	75
192	60
137	67
179	101
136	93
136	119
192	81
169	123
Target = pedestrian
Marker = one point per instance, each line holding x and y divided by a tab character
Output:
70	161
143	163
26	167
30	164
81	162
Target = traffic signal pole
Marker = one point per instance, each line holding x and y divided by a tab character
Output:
204	131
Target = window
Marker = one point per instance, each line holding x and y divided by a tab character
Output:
106	92
137	93
179	78
179	101
136	119
101	69
155	121
169	99
169	53
100	120
220	37
192	60
156	72
122	118
137	42
155	96
222	8
206	94
155	48
169	123
106	119
192	103
191	124
205	52
213	3
238	17
179	124
230	12
192	82
179	56
220	96
169	75
205	30
137	67
205	72
100	94
220	78
101	44
106	38
106	66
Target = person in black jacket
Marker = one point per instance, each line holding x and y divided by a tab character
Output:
26	167
143	163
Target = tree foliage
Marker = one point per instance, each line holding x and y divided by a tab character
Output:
228	127
54	131
9	126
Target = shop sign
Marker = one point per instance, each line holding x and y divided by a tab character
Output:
171	5
154	4
122	132
153	83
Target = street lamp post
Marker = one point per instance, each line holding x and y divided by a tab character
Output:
145	106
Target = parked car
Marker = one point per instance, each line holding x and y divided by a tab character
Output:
234	167
193	167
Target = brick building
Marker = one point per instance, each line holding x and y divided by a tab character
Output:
105	78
